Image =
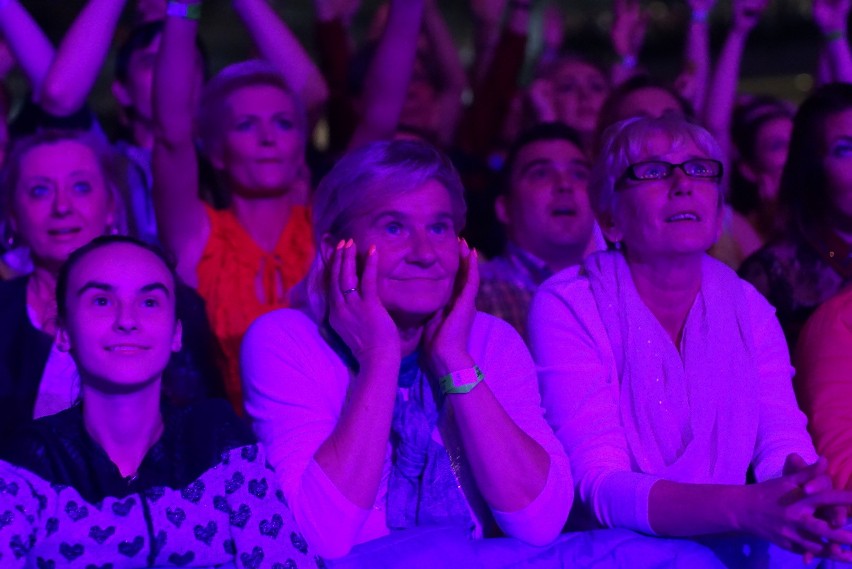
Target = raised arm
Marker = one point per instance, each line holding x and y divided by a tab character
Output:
450	69
627	34
278	45
80	57
719	107
181	219
386	82
832	17
28	44
483	121
692	83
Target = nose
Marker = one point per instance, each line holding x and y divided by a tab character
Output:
266	135
125	318
680	182
564	182
421	248
61	203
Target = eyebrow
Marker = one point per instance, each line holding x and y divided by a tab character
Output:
399	214
539	161
109	288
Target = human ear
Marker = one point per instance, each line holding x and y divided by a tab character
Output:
747	172
177	339
63	342
119	91
609	228
500	209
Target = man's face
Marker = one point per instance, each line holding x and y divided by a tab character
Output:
546	210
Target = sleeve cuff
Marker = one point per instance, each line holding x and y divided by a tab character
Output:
542	519
622	501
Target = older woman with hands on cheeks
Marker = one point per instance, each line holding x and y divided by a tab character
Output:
387	402
677	380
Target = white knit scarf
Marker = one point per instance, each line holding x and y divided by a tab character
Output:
685	414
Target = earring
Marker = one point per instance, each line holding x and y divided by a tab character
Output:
9	239
617	245
112	229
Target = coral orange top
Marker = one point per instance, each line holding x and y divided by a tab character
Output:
824	383
234	269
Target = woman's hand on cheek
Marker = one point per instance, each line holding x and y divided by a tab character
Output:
445	338
355	311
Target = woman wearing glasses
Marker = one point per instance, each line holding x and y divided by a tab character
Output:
665	376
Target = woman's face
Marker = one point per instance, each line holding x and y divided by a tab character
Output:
771	143
120	323
579	91
673	216
61	201
262	150
837	162
418	250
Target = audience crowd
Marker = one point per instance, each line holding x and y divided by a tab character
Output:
380	309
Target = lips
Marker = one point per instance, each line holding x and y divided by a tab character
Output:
61	232
563	211
126	349
683	216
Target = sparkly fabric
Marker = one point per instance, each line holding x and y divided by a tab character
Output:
582	392
231	514
671	396
796	274
227	274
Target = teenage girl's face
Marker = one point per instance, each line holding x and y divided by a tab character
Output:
837	162
61	201
262	151
120	323
579	91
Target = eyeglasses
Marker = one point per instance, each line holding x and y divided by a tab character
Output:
652	170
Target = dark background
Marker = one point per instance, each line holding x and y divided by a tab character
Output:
779	59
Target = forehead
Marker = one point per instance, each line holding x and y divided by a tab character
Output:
659	143
123	266
426	200
575	69
839	125
547	150
648	101
260	98
58	157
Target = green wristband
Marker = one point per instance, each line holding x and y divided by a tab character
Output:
835	35
461	381
185	11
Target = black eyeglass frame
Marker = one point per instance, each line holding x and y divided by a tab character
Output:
630	173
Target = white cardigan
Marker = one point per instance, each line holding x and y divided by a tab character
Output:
294	386
580	390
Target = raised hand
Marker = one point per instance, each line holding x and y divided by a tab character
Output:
355	310
701	5
628	27
541	99
552	28
831	15
747	13
489	11
786	511
446	335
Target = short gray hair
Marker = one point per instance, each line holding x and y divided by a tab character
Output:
624	143
360	183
